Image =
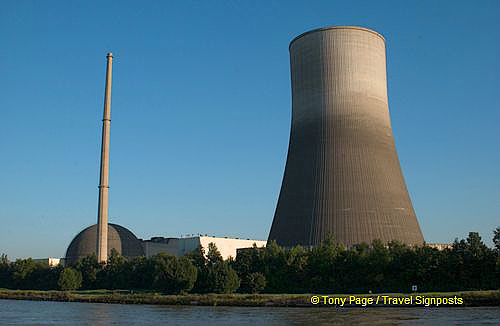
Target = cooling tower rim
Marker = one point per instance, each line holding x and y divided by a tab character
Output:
321	29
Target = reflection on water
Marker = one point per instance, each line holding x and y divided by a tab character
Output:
13	312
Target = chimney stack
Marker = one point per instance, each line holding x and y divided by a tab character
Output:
102	213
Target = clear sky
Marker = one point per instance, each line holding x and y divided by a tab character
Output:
201	113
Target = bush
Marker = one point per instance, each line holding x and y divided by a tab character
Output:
256	282
197	258
172	274
222	278
329	268
5	272
69	279
89	267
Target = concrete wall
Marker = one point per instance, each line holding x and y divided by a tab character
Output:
168	246
228	247
52	262
182	246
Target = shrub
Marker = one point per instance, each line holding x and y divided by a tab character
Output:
172	274
256	282
69	279
222	278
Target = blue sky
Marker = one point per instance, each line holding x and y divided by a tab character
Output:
201	113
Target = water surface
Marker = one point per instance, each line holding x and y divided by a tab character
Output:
17	312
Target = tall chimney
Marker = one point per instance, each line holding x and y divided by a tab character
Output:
102	213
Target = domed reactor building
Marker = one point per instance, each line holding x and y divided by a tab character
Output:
342	176
119	238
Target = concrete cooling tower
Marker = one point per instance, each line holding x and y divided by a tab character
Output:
342	176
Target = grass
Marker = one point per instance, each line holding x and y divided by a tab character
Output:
470	298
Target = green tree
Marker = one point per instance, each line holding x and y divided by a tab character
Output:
255	283
21	272
323	271
5	272
173	274
296	269
478	262
69	279
274	263
115	273
398	274
496	239
213	256
221	277
4	260
140	274
198	259
89	267
247	262
44	277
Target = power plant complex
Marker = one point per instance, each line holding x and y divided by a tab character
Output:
101	238
342	177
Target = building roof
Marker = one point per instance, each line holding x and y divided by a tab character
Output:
336	27
119	238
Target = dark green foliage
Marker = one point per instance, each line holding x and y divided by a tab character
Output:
26	274
248	261
89	267
255	283
140	273
395	267
21	271
213	255
274	265
329	268
115	273
172	274
214	274
5	272
322	267
69	279
496	238
198	259
222	278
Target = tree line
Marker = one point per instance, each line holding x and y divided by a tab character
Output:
329	268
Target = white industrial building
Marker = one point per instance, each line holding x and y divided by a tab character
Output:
181	246
51	262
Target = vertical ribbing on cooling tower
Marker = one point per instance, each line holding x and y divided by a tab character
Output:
342	176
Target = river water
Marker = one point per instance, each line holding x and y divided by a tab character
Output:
16	312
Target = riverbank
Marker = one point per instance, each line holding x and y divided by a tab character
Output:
469	298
